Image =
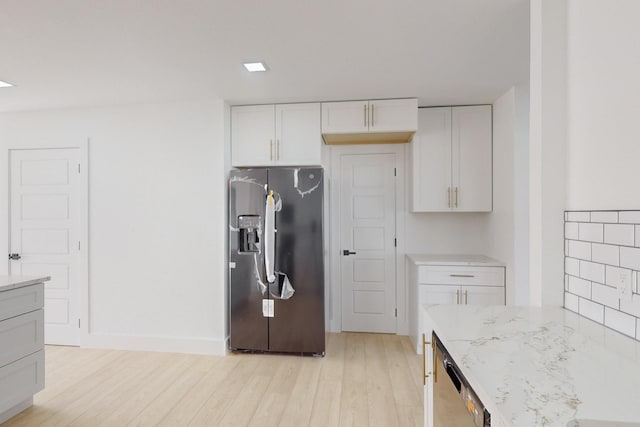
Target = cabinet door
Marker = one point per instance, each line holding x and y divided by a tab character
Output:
440	294
483	295
298	139
393	115
431	161
472	157
253	135
428	385
345	117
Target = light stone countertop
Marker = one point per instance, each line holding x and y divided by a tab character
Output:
13	282
464	260
547	366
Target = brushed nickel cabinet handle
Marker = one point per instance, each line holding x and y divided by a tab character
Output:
461	275
466	297
271	149
277	149
456	197
458	296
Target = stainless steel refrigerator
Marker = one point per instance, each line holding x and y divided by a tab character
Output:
276	260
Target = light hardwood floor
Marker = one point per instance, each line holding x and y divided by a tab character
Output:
364	380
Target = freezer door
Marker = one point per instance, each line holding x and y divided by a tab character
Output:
248	328
298	323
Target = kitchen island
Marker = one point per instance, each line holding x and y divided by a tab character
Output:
21	342
538	366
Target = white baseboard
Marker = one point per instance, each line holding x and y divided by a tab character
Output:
191	345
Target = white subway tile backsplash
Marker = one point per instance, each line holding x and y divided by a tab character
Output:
579	216
571	230
604	217
631	307
572	266
605	295
630	257
590	232
592	271
632	217
619	321
602	254
571	302
615	276
580	287
605	254
581	250
619	234
591	310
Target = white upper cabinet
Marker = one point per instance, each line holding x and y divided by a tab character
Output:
345	117
253	135
471	158
373	121
276	135
298	139
452	160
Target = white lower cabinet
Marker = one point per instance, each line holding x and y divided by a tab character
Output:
21	348
464	284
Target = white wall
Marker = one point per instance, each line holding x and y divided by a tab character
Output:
500	224
157	181
507	226
603	107
547	152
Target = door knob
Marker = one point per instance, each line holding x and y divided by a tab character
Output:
14	256
347	252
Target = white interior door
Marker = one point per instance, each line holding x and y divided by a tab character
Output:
367	234
44	227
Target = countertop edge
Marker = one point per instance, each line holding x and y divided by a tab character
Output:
22	281
467	260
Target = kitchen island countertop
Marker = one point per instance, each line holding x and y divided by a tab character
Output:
544	366
13	282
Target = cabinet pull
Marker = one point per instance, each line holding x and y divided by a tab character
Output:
271	149
365	115
277	149
425	374
466	297
372	114
448	197
461	275
456	197
458	296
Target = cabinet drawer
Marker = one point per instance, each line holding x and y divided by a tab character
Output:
21	379
468	276
15	302
21	336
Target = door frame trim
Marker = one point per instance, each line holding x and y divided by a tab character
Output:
335	291
83	262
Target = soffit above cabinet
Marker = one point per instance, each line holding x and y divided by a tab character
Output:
384	121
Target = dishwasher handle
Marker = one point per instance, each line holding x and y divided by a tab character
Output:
448	367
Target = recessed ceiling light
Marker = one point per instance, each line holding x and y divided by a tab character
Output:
252	67
5	84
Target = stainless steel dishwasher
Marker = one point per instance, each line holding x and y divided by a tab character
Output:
455	404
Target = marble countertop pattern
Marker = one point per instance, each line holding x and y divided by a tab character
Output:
465	260
546	366
13	282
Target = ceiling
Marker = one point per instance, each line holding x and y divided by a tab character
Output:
75	53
